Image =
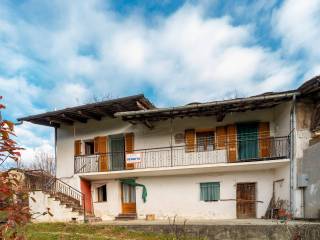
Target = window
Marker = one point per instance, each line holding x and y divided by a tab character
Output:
102	193
210	191
205	141
89	147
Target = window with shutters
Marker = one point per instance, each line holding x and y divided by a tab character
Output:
102	193
205	141
210	191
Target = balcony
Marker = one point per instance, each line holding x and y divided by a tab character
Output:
266	149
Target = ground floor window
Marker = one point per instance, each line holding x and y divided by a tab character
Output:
102	193
210	191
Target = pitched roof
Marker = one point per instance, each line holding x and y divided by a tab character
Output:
90	111
217	108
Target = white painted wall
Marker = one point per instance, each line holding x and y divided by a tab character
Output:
66	135
60	212
281	115
160	136
180	195
282	189
112	207
160	187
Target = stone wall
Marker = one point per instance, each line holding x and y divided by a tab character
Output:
236	232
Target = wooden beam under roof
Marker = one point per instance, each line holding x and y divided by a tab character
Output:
59	120
103	111
89	111
74	117
90	114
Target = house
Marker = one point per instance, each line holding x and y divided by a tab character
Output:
124	158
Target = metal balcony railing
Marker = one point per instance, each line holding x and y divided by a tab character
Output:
199	153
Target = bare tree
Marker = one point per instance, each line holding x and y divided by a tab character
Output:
44	161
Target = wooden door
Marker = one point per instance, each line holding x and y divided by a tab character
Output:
128	199
100	147
246	200
85	187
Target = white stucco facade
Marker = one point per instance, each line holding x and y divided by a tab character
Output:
177	193
45	204
179	196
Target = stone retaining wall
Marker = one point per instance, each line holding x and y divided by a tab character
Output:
236	232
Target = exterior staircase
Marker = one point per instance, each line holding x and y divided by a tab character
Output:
67	196
66	200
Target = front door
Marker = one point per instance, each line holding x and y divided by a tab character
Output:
246	200
128	199
117	153
247	141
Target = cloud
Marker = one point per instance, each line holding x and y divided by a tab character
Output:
19	96
186	56
64	54
34	139
67	94
296	23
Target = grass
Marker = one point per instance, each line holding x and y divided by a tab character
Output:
69	231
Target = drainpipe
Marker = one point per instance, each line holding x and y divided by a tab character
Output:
292	151
55	150
171	140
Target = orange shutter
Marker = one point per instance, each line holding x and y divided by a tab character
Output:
264	139
221	137
232	142
101	148
190	139
77	147
129	147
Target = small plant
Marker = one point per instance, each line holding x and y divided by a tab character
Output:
179	231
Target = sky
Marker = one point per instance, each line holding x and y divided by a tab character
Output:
58	53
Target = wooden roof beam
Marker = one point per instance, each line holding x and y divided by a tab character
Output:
59	120
72	117
104	112
90	114
148	124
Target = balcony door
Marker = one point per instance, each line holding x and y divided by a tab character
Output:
117	152
128	199
247	134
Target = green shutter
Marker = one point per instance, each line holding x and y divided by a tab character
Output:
210	191
247	141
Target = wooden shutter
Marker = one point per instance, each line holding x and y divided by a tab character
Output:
221	137
264	139
101	148
129	147
190	139
232	142
77	147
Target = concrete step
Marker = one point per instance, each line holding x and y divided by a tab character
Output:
93	219
125	217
